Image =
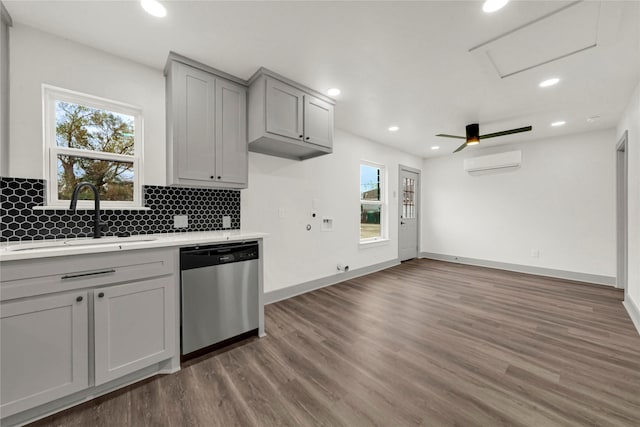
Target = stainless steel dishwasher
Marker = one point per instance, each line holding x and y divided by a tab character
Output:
219	293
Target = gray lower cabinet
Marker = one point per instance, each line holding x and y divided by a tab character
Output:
78	326
287	119
206	128
134	327
44	350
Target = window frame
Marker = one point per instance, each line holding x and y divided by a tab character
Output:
51	94
382	202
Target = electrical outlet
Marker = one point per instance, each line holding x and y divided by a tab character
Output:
226	222
281	213
535	253
180	221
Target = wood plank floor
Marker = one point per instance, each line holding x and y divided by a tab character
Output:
424	343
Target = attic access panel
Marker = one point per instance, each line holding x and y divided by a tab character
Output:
566	31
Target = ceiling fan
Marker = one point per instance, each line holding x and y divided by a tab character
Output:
473	135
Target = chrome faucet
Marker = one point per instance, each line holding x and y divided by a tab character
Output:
97	225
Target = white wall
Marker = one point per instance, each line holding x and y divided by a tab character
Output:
294	255
631	121
560	202
38	57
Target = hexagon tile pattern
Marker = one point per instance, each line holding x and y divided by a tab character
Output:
205	208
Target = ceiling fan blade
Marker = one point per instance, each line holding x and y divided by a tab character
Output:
461	147
450	136
506	132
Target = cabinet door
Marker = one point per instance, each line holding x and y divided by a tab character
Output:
231	132
195	124
318	121
44	350
134	327
284	110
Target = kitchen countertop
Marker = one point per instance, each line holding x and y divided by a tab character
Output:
64	247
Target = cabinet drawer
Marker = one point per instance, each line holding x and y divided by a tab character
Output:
42	276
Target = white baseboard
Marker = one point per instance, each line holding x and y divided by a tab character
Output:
539	271
634	311
312	285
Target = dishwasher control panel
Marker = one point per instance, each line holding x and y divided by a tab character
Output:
202	256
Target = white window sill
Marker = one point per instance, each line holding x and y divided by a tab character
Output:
90	208
373	243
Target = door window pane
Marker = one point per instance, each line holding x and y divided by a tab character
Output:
408	199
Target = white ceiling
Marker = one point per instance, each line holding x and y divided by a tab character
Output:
402	63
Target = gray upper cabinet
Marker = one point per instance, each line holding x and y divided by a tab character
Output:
287	119
231	133
206	126
284	109
318	119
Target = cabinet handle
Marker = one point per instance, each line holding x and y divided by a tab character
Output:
79	299
219	177
94	273
301	136
307	137
101	295
211	177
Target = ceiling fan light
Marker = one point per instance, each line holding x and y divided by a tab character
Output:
473	134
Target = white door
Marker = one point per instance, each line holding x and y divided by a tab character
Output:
134	327
408	198
284	110
622	177
44	350
318	121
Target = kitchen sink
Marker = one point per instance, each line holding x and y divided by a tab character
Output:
79	243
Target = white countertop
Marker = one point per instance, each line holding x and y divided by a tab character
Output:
12	251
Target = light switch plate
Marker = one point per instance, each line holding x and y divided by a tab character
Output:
180	221
226	222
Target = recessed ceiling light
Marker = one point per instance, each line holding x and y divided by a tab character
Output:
154	8
549	82
435	147
333	91
494	5
559	123
393	128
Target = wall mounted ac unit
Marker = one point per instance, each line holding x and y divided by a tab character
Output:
507	160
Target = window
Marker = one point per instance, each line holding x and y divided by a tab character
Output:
372	202
95	140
